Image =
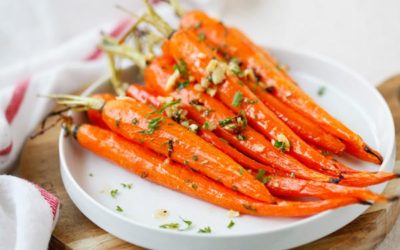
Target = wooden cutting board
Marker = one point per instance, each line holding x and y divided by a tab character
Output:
39	163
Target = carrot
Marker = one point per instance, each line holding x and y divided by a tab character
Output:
94	116
233	44
255	144
283	186
153	167
356	178
138	92
304	128
183	44
138	122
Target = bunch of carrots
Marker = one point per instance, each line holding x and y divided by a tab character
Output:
218	119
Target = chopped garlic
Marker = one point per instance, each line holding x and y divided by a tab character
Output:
193	127
201	55
211	91
218	75
271	82
198	87
250	74
211	65
171	82
233	213
161	214
204	82
258	147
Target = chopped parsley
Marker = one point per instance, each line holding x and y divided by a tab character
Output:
241	171
182	85
114	193
241	137
173	226
181	67
280	145
237	99
177	226
90	174
127	185
231	224
195	158
260	176
321	91
185	162
205	230
119	209
153	125
225	122
201	37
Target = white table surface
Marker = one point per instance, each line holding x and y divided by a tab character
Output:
362	34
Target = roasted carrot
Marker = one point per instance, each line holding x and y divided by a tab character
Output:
283	186
255	144
279	185
233	44
152	167
303	127
138	122
94	116
183	44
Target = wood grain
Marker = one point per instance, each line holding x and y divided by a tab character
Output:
39	163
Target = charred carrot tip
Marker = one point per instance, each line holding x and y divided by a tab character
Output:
335	180
372	152
393	198
368	203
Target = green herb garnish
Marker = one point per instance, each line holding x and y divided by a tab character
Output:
152	125
114	193
181	66
119	209
231	224
127	185
205	230
182	85
195	158
280	145
201	37
237	99
321	91
260	174
173	226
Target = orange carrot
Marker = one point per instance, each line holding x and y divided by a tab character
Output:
152	167
183	44
304	128
138	122
255	144
283	186
232	42
94	116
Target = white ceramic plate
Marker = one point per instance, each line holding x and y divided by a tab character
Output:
89	179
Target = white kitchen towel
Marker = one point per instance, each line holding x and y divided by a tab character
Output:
26	222
28	213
